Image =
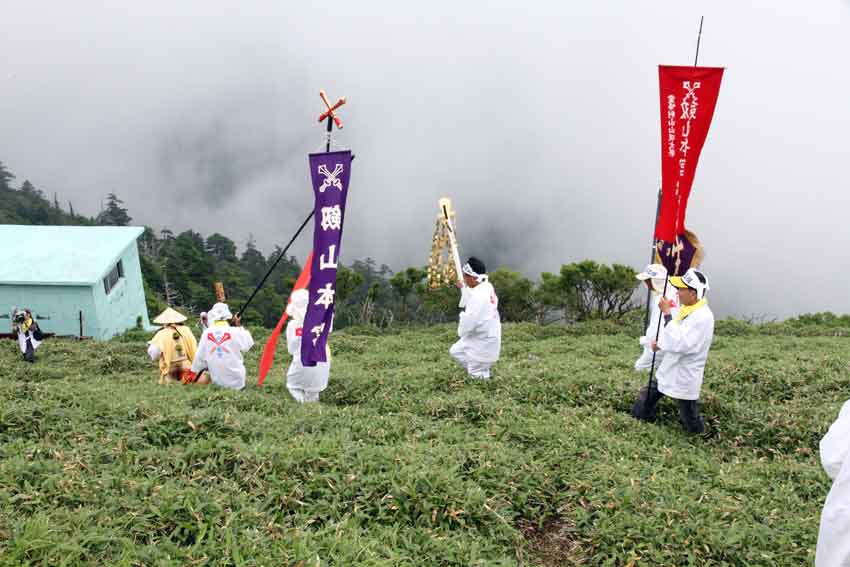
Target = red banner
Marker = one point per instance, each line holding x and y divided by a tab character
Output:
688	97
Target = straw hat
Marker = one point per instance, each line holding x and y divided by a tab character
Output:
169	317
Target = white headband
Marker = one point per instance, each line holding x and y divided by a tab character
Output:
467	269
297	306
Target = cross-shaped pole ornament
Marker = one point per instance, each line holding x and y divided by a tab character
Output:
331	110
330	115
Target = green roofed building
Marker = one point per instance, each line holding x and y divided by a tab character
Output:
73	277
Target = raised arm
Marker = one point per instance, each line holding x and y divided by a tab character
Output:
471	317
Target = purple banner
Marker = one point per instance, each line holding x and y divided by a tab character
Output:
330	172
677	256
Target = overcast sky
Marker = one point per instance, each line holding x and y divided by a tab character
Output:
540	120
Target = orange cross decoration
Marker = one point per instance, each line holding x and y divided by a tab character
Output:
331	110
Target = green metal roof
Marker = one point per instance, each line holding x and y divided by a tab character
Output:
61	255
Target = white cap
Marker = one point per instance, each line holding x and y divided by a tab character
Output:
657	274
693	279
654	271
219	312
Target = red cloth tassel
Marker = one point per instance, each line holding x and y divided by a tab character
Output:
267	359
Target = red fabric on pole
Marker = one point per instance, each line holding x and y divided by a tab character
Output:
267	358
688	98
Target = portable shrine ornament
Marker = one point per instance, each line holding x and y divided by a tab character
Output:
444	267
218	288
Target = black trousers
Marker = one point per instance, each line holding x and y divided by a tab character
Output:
689	417
29	355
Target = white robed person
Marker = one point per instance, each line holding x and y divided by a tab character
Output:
685	340
303	382
221	347
833	548
479	328
654	277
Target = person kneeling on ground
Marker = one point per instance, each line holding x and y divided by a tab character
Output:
833	549
303	382
174	346
654	277
220	350
29	334
685	341
479	329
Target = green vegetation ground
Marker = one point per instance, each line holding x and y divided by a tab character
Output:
408	463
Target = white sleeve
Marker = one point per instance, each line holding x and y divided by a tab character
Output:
471	317
153	351
685	337
246	341
464	296
835	445
652	328
833	547
293	342
200	361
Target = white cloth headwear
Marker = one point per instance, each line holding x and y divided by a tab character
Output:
692	280
657	274
297	308
654	271
219	312
467	269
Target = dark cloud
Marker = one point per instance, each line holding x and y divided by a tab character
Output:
540	123
219	157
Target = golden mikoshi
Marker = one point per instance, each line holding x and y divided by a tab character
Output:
441	263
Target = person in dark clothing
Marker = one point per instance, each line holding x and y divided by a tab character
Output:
27	330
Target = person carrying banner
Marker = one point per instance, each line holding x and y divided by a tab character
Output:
174	346
653	277
303	382
480	328
685	341
220	350
833	547
330	173
29	334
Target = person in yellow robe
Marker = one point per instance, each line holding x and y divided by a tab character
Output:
174	346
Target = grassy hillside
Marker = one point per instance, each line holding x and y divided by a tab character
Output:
407	463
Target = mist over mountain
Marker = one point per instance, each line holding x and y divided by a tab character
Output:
542	124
